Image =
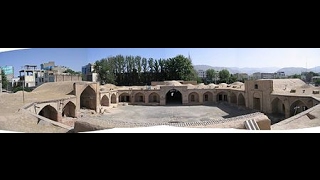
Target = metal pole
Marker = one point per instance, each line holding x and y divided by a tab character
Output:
23	91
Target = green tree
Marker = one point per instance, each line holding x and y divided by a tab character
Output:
181	68
20	88
157	70
5	81
211	75
196	77
139	68
70	71
151	73
298	76
162	69
144	66
224	76
309	76
232	78
104	68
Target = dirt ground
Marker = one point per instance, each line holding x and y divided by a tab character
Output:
164	114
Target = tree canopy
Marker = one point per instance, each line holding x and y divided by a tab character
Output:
5	81
211	75
70	71
224	76
136	70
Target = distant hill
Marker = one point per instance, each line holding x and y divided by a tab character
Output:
234	70
297	70
206	67
315	69
292	70
254	70
287	70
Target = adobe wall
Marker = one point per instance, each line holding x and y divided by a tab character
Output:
64	77
79	87
58	105
262	91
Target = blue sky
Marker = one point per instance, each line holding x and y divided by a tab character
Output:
75	58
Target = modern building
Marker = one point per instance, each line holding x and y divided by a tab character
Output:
315	79
242	76
28	75
89	74
47	66
9	72
202	74
280	75
32	77
259	75
0	83
50	66
15	82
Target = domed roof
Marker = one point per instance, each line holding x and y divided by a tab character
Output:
223	84
238	83
172	83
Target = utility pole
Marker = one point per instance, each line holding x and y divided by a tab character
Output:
24	79
23	91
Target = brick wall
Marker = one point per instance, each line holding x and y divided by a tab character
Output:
64	77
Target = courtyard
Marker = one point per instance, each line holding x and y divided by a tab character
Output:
135	114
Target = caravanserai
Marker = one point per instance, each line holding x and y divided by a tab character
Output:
279	98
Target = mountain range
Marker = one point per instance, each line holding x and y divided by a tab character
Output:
287	70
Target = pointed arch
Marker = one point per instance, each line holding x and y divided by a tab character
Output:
277	106
69	110
222	96
105	101
233	98
193	97
88	98
241	100
207	97
297	107
139	97
154	98
173	96
113	99
124	97
49	112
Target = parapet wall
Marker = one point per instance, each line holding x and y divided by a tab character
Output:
66	77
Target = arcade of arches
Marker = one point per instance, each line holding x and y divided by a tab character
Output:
88	98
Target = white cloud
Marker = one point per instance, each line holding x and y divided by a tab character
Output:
10	49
